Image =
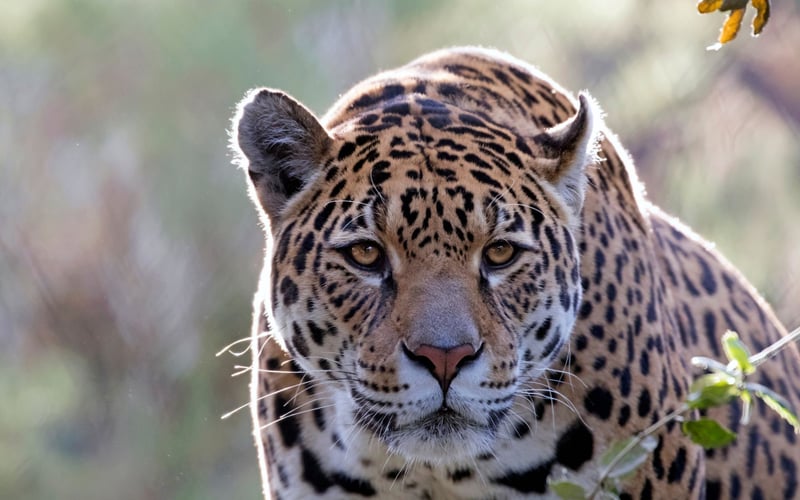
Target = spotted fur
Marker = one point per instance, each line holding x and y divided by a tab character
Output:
433	372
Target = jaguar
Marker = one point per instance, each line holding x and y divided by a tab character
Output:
465	292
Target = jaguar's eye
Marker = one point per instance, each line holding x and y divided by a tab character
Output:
499	254
365	254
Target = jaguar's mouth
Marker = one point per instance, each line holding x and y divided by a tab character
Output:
442	436
443	422
447	433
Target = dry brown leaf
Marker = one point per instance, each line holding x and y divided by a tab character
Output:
732	5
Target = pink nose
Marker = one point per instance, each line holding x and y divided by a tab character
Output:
443	363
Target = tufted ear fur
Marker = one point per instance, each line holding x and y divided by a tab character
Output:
281	144
573	144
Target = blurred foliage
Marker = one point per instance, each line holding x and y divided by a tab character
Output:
129	251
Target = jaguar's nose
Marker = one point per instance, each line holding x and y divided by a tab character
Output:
443	363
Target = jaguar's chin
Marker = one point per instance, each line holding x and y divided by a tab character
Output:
441	437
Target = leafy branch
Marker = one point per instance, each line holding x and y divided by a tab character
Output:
735	10
722	385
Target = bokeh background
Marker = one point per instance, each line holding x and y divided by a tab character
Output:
129	251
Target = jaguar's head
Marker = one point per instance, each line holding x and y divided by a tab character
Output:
421	260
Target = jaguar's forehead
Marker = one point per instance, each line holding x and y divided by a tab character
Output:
421	120
420	171
413	146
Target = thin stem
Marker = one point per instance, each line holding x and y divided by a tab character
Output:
683	408
772	350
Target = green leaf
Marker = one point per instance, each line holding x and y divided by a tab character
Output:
567	490
747	403
737	352
775	401
708	433
633	458
714	389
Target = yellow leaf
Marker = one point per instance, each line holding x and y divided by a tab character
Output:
731	27
706	6
762	15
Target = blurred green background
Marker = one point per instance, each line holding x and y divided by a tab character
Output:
129	251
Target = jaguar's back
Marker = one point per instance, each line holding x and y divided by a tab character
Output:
468	293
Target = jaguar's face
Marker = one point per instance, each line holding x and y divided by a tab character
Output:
429	274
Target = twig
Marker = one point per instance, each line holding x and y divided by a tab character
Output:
773	349
633	443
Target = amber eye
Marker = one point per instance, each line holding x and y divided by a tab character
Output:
499	253
365	254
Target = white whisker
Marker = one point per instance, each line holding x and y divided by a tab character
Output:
230	346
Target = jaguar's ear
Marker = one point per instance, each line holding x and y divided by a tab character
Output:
281	144
573	145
